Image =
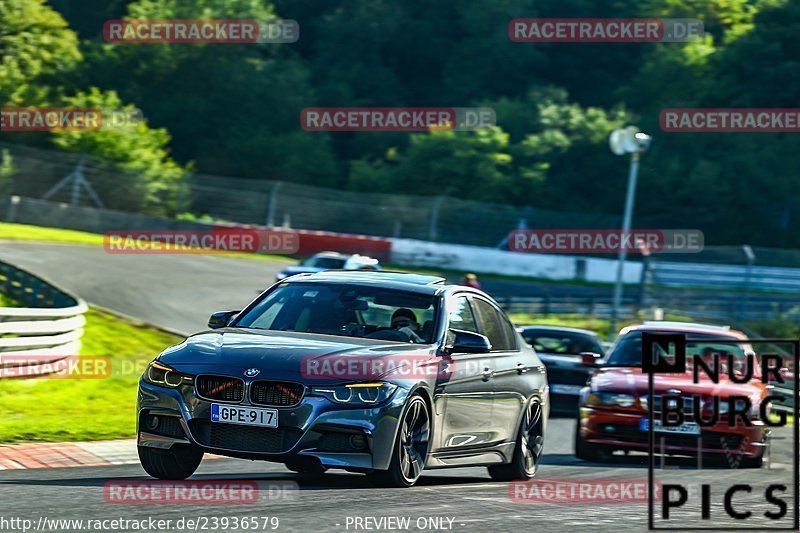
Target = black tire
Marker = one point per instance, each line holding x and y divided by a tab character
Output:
527	450
307	468
174	464
410	448
588	452
752	462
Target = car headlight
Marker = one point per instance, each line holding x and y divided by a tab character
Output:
160	374
607	399
357	393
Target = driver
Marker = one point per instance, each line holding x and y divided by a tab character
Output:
405	321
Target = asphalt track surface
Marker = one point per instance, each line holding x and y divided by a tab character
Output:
337	500
181	291
178	291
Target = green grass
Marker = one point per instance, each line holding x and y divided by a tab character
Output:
72	409
24	232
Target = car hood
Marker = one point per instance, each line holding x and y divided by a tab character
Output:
280	355
632	380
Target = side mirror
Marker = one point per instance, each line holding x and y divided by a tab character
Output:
221	319
460	341
589	358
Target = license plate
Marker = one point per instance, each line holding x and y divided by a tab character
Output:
248	416
687	428
574	390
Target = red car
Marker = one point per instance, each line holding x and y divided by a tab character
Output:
613	412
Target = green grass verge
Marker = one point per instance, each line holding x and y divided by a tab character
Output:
72	409
24	232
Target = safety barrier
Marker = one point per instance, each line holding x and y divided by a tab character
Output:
44	330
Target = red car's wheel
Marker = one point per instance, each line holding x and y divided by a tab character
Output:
589	452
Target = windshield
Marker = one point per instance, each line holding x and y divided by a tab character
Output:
628	350
559	342
324	262
345	310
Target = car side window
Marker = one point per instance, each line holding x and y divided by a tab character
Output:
511	333
494	326
461	316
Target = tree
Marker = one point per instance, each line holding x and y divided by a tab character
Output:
469	165
232	108
150	180
36	47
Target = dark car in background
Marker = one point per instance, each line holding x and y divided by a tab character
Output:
330	261
375	372
565	352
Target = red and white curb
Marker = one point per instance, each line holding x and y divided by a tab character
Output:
70	454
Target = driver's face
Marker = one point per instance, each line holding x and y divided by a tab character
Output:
404	322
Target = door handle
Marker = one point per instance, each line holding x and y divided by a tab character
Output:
487	374
521	368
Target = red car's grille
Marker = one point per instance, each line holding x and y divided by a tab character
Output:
688	405
222	388
277	393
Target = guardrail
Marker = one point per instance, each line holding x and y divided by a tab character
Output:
46	331
726	277
715	307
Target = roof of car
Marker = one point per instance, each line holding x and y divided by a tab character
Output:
685	327
337	255
386	278
550	327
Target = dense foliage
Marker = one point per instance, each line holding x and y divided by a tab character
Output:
234	109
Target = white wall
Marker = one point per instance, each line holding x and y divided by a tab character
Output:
411	252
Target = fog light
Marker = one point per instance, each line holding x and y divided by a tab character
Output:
609	429
152	422
359	442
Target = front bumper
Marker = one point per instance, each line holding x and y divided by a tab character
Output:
315	429
622	431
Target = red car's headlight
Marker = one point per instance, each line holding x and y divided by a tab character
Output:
608	399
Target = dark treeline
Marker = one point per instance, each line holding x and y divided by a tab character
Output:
234	110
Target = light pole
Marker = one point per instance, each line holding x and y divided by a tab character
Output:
626	141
